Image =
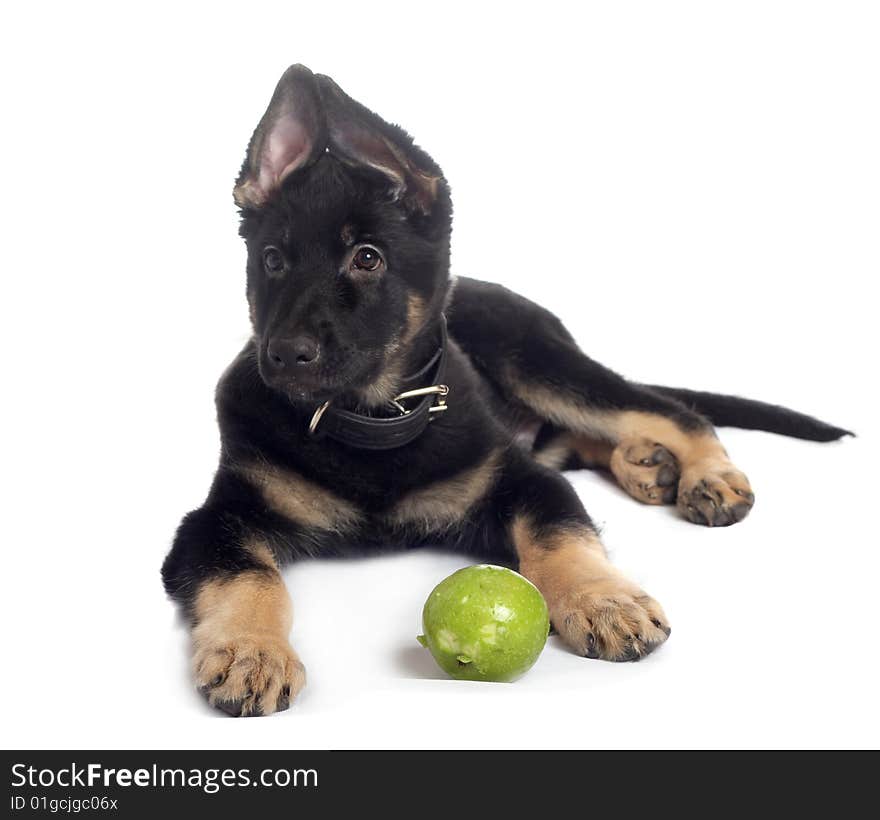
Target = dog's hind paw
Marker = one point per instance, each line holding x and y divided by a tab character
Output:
715	495
646	470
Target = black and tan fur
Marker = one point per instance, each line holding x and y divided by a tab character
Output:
347	225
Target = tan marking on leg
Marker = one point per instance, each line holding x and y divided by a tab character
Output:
686	445
248	602
556	407
555	453
614	425
446	503
592	452
300	500
262	554
594	608
242	659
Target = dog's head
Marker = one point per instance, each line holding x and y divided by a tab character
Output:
347	227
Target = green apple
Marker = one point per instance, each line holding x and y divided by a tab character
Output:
485	623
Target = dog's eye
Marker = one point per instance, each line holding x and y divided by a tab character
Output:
273	261
367	258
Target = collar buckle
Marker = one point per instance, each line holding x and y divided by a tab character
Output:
440	390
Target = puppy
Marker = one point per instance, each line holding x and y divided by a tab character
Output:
378	406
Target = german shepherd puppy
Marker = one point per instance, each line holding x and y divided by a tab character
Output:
380	405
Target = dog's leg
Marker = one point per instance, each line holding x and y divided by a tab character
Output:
658	450
561	449
227	579
597	610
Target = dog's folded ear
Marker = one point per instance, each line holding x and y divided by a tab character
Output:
361	138
291	135
308	115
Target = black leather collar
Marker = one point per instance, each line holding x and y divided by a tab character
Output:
425	395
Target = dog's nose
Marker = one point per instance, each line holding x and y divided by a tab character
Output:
299	351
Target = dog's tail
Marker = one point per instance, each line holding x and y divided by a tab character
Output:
732	411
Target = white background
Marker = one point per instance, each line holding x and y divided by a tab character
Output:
693	187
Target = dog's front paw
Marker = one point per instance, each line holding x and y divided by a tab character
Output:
646	470
611	622
714	494
248	675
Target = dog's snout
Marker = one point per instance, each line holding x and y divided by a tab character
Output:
299	351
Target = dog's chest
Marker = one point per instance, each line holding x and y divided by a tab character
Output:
378	502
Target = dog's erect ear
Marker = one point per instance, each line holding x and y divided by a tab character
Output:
360	138
291	135
309	114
